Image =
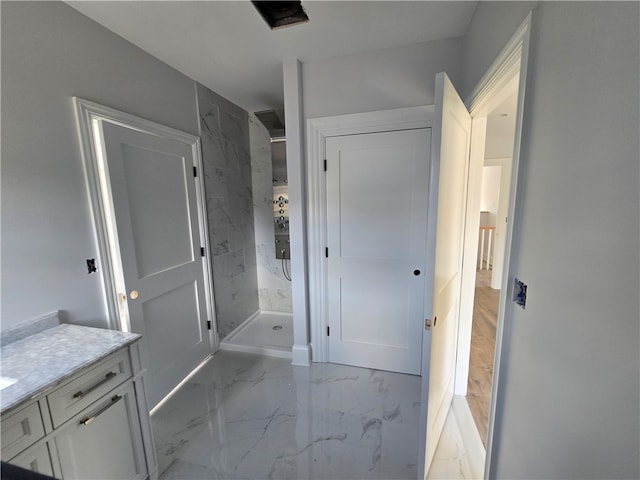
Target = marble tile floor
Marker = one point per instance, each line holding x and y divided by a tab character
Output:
246	416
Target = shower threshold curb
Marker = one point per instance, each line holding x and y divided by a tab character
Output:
268	350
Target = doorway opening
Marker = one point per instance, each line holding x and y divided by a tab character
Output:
147	199
494	199
496	108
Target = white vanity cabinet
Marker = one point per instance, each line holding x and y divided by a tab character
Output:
104	441
92	425
37	459
20	433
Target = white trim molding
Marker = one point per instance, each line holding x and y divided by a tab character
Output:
502	70
301	355
510	68
294	126
318	130
88	116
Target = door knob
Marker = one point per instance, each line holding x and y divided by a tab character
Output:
133	295
416	272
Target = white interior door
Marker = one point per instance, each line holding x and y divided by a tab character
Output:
450	160
376	231
153	196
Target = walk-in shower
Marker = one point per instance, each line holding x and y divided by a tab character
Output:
270	330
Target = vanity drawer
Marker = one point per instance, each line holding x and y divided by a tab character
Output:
20	430
36	459
81	392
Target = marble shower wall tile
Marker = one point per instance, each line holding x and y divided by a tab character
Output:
224	130
274	288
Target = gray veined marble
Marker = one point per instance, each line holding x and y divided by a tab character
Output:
233	128
28	328
244	416
247	416
224	131
44	359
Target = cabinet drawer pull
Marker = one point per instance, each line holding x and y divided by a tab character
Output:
107	377
88	420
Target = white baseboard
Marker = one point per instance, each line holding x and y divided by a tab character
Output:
476	452
301	355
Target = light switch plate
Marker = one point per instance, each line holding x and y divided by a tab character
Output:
519	292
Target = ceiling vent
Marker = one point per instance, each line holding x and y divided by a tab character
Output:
281	14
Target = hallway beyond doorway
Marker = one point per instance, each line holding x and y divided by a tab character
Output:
483	341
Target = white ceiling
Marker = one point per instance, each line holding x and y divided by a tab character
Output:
501	128
226	45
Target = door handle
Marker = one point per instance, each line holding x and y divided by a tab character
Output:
133	295
416	272
88	420
82	393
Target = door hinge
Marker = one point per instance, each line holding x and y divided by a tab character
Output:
328	330
325	165
326	252
208	324
202	251
195	171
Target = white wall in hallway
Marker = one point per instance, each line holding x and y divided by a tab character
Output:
490	190
568	402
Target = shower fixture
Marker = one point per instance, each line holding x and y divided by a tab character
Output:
280	200
271	121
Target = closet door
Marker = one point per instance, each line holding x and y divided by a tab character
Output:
376	229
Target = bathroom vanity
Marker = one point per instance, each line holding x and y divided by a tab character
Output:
73	405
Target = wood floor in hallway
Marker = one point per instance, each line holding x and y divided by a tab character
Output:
483	339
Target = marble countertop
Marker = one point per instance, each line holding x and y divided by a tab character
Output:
43	360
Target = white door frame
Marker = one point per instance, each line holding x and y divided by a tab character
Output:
318	130
88	116
506	73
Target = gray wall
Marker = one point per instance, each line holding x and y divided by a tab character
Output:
224	129
50	53
568	404
274	288
482	44
379	80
